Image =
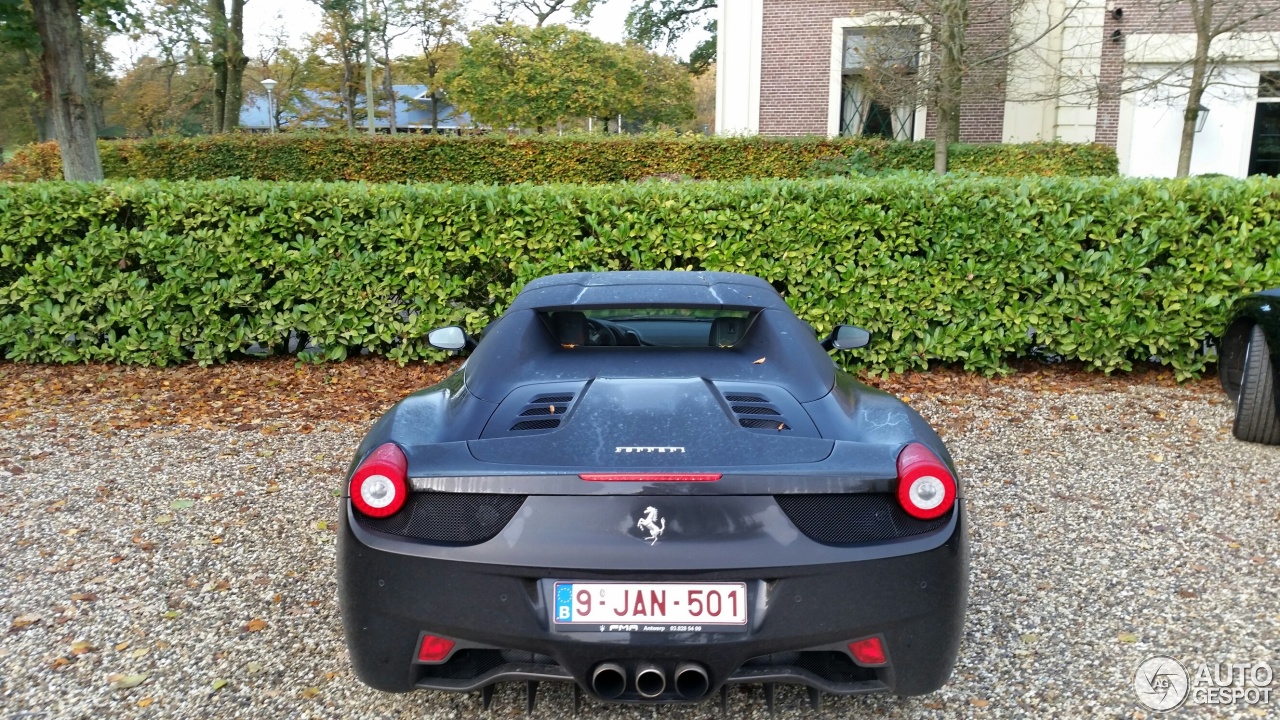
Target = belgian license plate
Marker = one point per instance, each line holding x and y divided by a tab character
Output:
650	607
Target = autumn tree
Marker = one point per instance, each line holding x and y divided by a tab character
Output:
226	35
540	11
652	89
438	23
517	76
157	97
339	38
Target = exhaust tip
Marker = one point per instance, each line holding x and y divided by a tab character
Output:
650	680
609	680
692	682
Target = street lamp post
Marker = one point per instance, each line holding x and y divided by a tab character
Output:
270	85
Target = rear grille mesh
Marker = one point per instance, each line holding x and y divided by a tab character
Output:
735	397
554	405
455	518
552	399
844	519
754	410
755	424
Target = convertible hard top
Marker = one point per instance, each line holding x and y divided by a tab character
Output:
779	349
671	288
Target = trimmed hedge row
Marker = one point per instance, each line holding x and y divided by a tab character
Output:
581	159
972	271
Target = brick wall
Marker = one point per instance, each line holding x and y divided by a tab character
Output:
795	68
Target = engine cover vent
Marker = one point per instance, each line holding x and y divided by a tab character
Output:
533	410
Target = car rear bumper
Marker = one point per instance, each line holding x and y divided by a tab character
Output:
802	617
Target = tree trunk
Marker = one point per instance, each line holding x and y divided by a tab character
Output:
370	100
951	54
236	64
66	87
1199	69
435	110
389	88
35	107
218	38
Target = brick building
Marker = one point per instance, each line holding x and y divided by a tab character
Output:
1106	71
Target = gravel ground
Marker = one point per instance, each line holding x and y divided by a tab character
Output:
1112	521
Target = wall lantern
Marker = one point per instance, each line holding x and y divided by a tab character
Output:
1202	116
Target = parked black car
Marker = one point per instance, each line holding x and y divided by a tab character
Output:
653	485
1250	357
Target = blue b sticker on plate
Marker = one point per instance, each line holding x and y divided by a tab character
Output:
564	603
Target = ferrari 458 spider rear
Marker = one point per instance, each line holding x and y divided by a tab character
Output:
653	485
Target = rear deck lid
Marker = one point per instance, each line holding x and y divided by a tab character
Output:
650	423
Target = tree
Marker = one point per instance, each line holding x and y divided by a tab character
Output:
541	10
513	76
226	33
54	29
1219	24
653	89
922	53
438	23
156	97
339	35
389	21
660	23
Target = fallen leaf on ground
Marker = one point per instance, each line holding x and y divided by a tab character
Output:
25	621
256	625
1127	637
182	504
219	684
146	701
124	682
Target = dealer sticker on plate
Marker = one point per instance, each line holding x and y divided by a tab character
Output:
650	607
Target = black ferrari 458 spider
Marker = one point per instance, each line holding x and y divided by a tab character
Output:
653	485
1248	366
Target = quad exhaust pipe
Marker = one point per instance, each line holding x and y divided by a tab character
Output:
691	681
609	680
651	681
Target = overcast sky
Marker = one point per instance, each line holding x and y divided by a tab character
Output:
302	17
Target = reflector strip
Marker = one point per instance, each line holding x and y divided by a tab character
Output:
650	477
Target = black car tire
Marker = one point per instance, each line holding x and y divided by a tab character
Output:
1256	417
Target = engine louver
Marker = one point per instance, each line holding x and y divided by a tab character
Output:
547	408
757	413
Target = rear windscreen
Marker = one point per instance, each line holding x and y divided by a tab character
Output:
649	327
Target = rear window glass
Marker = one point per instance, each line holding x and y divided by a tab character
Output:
649	327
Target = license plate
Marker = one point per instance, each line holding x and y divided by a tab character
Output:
649	607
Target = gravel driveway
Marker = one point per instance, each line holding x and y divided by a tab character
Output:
1113	520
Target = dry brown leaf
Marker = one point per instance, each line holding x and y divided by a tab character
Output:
256	625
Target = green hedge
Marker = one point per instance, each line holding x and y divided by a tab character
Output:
971	271
582	159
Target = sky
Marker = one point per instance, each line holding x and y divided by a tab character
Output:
301	17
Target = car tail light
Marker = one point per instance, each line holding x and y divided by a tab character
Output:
434	649
868	651
926	488
378	487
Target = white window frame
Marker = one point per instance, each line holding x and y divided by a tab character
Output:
876	19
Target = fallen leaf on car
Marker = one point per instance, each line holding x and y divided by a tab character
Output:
125	682
759	362
256	625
